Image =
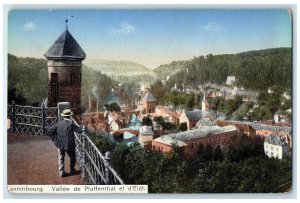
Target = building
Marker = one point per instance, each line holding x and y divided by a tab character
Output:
148	102
242	127
280	117
190	141
230	80
64	71
116	125
190	118
276	147
168	114
278	131
145	136
205	104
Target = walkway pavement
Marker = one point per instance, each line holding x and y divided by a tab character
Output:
34	160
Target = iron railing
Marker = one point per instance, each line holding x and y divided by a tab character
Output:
97	169
29	119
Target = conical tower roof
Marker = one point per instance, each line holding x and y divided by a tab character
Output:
65	47
148	97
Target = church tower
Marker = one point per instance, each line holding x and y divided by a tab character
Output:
64	71
205	104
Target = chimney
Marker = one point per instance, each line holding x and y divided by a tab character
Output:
90	103
97	107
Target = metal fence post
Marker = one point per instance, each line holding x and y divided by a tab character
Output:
43	119
13	119
108	157
83	154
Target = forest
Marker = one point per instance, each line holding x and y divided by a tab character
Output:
242	168
28	79
255	70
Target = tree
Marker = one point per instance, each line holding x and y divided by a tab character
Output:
115	107
218	154
159	120
159	91
182	127
147	121
208	155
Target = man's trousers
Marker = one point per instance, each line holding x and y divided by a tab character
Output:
71	154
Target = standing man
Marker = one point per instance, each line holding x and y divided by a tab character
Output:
62	134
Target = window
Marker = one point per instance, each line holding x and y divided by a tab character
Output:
272	154
54	89
277	149
267	146
277	155
266	151
271	148
72	78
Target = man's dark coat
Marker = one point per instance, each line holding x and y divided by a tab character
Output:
62	134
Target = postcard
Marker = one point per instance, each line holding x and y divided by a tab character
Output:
149	101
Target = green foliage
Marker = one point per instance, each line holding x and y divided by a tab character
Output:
242	111
225	106
187	101
269	104
159	91
174	173
27	80
243	146
182	127
166	126
113	107
218	154
256	70
147	121
92	79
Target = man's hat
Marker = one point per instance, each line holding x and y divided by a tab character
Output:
67	112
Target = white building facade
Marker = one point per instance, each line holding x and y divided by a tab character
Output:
276	147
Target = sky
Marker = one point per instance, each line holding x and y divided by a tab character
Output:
150	37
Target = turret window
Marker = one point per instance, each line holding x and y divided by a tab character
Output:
72	79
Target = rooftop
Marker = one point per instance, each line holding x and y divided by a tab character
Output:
276	140
65	47
148	97
194	115
178	138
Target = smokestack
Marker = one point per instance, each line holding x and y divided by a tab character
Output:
90	103
97	107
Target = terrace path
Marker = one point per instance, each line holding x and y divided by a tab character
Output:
34	160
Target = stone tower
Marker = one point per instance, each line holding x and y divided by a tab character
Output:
149	102
64	71
205	104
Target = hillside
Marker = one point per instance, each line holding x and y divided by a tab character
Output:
122	71
27	81
255	70
169	69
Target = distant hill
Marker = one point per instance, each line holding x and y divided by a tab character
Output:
169	69
122	71
258	69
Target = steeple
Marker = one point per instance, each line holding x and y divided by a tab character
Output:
205	104
203	98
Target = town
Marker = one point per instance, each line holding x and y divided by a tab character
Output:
214	123
146	122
